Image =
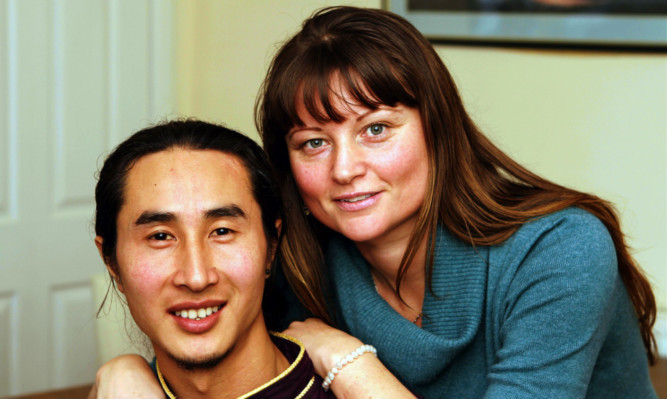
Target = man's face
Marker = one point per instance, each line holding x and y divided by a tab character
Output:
190	241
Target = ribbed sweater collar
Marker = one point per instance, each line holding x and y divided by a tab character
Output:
452	312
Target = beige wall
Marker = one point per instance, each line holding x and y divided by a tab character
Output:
224	48
596	121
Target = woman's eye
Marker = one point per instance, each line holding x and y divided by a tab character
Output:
376	129
314	143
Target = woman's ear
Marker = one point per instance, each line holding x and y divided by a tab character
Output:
279	227
112	272
271	254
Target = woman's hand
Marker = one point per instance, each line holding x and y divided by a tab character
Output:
325	345
365	377
126	376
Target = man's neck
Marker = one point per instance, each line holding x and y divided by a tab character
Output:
251	363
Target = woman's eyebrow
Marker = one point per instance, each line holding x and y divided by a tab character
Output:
301	128
376	110
359	118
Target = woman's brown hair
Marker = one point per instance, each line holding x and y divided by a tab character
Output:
380	58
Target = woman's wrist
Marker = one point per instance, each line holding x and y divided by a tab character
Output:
367	377
325	356
344	361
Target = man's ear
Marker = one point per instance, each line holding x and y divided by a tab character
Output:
112	272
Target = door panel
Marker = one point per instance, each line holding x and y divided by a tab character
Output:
76	77
8	337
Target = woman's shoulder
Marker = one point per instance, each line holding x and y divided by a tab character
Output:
571	229
570	220
572	242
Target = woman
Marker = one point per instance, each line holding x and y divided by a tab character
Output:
470	275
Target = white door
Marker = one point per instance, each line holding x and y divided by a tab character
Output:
76	77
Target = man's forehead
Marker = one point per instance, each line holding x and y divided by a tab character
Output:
193	165
176	180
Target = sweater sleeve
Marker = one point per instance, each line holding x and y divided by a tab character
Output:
553	306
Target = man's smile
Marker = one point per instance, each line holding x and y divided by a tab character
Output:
196	314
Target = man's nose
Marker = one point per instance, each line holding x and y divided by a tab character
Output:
195	269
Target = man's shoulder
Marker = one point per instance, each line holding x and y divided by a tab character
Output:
299	379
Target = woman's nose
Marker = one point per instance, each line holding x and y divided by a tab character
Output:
195	270
348	163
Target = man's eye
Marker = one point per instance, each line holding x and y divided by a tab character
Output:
376	129
161	236
221	231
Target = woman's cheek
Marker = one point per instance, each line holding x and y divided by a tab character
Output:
312	191
308	176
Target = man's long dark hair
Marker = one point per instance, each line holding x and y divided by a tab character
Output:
191	135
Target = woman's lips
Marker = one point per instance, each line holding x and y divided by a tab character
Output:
357	201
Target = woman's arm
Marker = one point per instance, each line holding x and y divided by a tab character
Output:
562	324
365	377
126	376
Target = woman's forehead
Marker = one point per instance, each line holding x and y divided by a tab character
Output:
331	101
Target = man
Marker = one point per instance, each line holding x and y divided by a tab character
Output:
188	219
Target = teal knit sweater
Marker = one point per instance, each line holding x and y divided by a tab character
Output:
543	315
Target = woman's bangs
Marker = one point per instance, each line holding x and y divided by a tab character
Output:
360	83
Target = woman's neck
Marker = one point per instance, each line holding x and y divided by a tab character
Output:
385	259
385	255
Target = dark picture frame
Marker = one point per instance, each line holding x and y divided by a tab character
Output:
603	23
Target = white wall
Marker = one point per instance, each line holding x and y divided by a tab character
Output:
595	121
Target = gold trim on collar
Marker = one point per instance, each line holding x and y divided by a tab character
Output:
165	388
280	376
306	389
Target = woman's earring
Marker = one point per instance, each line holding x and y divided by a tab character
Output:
306	211
267	272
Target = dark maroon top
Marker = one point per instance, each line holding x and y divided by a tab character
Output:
298	381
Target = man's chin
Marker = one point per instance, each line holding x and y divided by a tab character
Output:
205	362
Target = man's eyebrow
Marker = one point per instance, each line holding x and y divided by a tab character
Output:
149	217
227	211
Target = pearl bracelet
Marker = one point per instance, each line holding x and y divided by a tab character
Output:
345	361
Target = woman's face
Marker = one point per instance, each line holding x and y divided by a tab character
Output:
365	177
